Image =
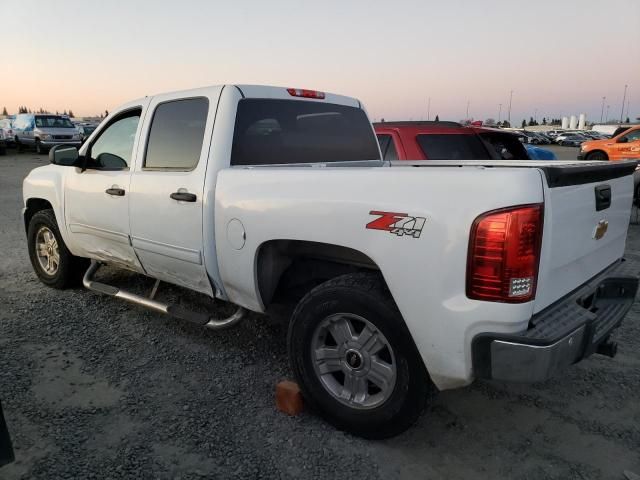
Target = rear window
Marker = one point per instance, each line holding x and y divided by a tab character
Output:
452	147
269	132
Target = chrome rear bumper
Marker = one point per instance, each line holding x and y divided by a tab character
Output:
563	334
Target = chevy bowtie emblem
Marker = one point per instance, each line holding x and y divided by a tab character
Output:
601	229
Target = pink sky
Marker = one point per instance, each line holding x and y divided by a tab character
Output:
560	58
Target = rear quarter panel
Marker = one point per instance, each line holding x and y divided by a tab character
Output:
425	275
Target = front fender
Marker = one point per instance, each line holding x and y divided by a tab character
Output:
47	183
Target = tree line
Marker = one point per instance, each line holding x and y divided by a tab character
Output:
69	113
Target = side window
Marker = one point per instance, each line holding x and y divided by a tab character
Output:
176	135
387	147
114	146
633	136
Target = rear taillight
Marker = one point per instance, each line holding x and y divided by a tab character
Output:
504	253
300	92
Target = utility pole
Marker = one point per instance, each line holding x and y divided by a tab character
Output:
510	99
606	119
624	99
467	117
535	116
499	112
628	98
602	111
429	109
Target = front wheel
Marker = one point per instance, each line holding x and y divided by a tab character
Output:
598	155
51	260
40	150
354	357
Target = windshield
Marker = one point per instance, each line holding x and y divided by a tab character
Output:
53	121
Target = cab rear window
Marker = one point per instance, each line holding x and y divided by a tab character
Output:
452	147
271	132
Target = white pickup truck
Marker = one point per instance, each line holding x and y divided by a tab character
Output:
406	277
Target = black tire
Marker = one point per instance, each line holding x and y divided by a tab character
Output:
364	295
70	268
40	150
19	145
597	155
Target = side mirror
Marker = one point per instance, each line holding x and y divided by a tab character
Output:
623	140
64	155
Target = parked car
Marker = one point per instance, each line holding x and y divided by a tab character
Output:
85	130
564	135
211	189
447	141
6	131
571	140
538	153
626	145
43	131
593	135
533	138
554	133
451	140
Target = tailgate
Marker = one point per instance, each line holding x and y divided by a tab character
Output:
586	216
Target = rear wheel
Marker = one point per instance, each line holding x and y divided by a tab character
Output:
597	155
354	358
51	260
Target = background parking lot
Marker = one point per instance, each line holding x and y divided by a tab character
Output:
95	387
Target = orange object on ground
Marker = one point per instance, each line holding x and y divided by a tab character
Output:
289	398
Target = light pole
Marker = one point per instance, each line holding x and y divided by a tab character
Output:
510	99
602	111
624	99
606	118
429	109
535	116
499	112
468	102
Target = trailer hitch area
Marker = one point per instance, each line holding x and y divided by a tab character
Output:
608	348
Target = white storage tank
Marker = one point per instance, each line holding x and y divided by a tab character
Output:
573	122
582	123
565	123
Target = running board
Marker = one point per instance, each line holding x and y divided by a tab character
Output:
174	310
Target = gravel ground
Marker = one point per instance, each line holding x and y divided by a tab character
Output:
96	388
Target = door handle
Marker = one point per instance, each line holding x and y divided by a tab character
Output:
183	196
603	197
116	192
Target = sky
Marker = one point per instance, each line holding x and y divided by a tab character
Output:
558	57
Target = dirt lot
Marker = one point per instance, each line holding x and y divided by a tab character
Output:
96	388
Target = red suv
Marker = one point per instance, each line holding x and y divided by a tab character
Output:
446	141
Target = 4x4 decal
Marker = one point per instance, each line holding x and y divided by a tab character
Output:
397	223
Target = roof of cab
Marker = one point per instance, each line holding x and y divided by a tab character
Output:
257	91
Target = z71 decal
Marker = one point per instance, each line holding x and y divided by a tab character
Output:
397	223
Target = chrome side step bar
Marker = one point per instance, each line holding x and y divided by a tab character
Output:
170	309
